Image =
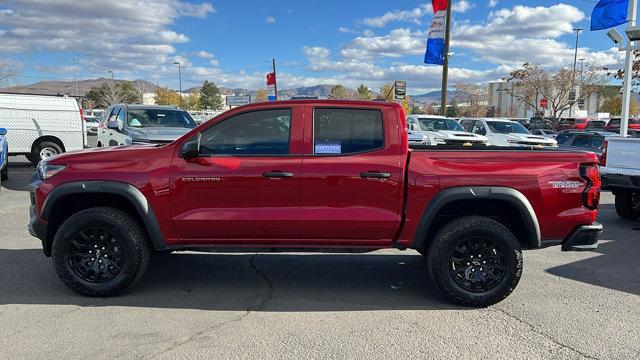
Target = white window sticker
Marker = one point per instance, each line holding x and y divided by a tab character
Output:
328	148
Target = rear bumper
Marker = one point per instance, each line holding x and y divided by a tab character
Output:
583	238
620	182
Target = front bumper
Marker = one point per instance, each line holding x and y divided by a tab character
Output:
583	238
36	226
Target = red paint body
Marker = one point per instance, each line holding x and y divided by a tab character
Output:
326	202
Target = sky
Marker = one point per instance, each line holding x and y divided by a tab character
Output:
349	42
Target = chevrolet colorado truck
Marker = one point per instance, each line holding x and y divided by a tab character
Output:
313	175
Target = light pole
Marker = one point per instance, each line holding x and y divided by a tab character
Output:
445	65
112	79
573	74
179	79
75	77
581	66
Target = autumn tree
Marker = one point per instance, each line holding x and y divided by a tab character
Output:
261	95
191	101
613	105
210	97
476	98
531	83
164	96
406	105
386	92
364	93
338	92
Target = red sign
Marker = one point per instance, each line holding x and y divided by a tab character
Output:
544	103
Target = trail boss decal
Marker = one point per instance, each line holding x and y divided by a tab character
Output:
201	179
565	184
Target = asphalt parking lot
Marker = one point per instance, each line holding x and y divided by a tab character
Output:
380	305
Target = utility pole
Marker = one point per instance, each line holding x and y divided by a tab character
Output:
573	74
75	77
112	79
628	69
275	84
581	66
445	65
179	79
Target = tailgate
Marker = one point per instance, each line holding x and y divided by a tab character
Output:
623	156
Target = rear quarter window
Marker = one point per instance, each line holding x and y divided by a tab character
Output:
346	131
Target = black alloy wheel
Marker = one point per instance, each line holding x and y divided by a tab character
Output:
477	264
96	255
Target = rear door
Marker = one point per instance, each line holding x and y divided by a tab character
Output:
352	175
245	185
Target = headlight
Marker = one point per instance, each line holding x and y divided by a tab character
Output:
440	140
426	140
512	141
46	171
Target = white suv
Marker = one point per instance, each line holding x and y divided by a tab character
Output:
503	132
439	130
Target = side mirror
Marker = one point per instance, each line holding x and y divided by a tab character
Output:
3	131
413	127
114	125
191	149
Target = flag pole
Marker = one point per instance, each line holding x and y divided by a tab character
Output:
445	64
628	69
275	79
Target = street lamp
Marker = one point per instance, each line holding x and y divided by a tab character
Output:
573	74
112	79
179	79
75	76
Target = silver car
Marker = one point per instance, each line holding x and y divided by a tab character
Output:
143	124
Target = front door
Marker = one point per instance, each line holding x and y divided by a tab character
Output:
245	185
352	176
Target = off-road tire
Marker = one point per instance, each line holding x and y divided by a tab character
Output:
628	205
135	246
467	227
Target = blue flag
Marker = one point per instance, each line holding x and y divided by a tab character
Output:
609	13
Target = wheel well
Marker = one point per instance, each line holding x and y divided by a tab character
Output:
48	138
502	211
73	203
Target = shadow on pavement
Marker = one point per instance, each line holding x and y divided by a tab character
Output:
240	282
19	176
618	267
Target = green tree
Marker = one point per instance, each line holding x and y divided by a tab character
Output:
261	95
165	96
613	105
338	92
453	110
210	96
364	93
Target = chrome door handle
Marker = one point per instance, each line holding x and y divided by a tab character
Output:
277	174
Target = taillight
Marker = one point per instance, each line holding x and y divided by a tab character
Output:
591	194
603	157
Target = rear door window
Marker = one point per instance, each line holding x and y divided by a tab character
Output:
583	141
563	138
346	131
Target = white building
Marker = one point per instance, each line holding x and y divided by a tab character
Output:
507	105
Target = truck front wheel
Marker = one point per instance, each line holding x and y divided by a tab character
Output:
475	261
100	252
628	205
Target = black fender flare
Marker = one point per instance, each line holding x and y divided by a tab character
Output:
451	194
128	191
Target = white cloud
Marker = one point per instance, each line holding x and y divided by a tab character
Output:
462	6
136	34
204	54
344	29
492	3
270	19
414	15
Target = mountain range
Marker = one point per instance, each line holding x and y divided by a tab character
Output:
320	91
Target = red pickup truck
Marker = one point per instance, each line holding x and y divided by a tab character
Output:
313	175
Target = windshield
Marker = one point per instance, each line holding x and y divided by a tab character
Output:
139	118
434	124
503	127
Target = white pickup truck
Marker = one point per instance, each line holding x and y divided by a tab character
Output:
621	174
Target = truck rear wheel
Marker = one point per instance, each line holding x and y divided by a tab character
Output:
628	205
100	252
475	261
